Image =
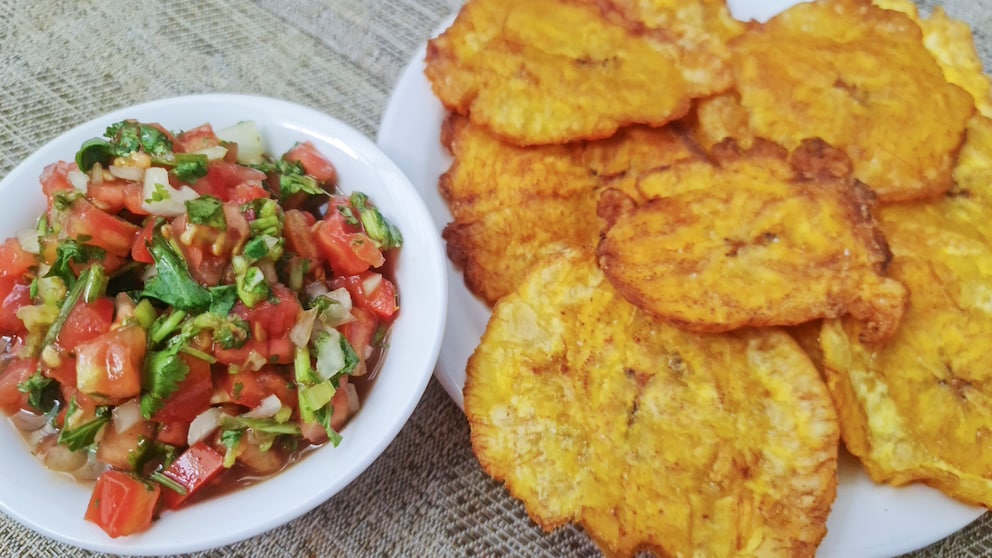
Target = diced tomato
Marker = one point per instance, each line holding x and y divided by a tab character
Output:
245	192
193	470
86	321
108	367
298	233
122	504
118	449
361	331
175	433
201	137
134	197
88	224
65	372
13	371
55	178
191	397
348	252
139	250
314	163
249	388
14	260
277	317
14	294
381	301
208	250
223	179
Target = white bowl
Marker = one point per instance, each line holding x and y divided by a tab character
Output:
53	504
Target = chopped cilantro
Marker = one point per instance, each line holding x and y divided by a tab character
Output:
190	166
160	194
164	371
207	210
173	283
83	436
71	251
381	231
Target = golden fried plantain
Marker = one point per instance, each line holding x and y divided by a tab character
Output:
650	437
919	408
855	75
511	206
562	70
772	240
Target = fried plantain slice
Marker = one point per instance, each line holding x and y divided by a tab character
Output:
772	240
855	75
650	437
919	408
511	206
562	70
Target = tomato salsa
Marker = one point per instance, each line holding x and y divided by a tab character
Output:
190	314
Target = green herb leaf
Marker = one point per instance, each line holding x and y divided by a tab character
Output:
231	440
190	166
382	232
222	299
68	252
173	283
82	436
93	151
41	391
164	371
207	210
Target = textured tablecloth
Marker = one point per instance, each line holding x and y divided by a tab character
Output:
62	63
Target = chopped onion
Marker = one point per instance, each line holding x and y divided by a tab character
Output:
134	174
267	408
29	241
353	403
96	174
62	459
158	197
300	334
28	421
79	180
127	415
203	425
214	153
38	437
251	149
90	470
339	312
371	283
315	289
255	361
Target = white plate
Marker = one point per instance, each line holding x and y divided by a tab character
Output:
53	504
867	520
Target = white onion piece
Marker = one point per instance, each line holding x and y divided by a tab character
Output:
127	415
134	174
79	180
315	289
90	470
28	239
39	436
371	283
353	403
338	313
60	458
214	153
267	408
28	421
300	334
255	361
158	197
203	425
251	149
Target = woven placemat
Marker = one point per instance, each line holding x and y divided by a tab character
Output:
426	495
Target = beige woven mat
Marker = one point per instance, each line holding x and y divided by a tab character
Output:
62	63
